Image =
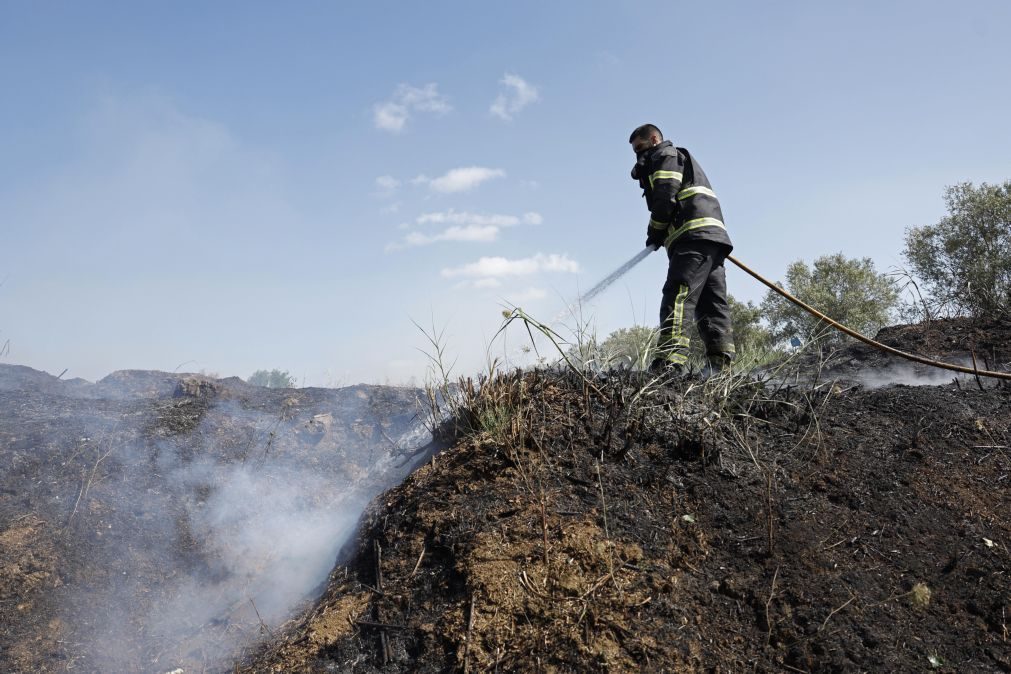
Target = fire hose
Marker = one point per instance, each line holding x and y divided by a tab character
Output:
867	340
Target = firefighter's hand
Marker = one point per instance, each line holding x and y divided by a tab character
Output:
654	237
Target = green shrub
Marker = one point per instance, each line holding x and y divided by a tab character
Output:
631	347
272	379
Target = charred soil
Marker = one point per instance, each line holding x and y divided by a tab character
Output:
719	526
805	523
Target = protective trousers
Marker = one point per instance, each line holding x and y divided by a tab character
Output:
696	294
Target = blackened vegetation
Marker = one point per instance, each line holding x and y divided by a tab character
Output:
615	525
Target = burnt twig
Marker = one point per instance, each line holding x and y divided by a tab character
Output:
417	565
829	616
768	619
263	625
470	629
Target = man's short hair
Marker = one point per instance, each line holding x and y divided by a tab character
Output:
645	131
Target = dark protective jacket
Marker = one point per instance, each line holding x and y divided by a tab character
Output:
682	204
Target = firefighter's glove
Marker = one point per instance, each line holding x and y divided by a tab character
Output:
654	237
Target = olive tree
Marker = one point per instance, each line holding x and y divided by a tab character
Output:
848	290
964	260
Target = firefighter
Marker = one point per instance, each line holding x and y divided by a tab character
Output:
685	218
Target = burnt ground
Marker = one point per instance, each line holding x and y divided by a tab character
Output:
807	524
129	511
720	526
958	341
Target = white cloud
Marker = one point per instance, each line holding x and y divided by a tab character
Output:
518	95
487	283
465	218
425	99
468	233
394	114
496	267
390	117
386	187
460	179
464	226
483	233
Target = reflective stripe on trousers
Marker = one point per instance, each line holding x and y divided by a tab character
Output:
695	291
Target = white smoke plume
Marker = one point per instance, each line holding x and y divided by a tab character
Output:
908	374
196	542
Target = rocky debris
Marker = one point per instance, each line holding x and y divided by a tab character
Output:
319	425
195	387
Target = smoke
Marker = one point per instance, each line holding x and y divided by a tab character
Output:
269	541
907	374
199	539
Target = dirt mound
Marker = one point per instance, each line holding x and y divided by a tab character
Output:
717	526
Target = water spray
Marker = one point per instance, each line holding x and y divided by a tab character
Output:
603	285
615	275
589	295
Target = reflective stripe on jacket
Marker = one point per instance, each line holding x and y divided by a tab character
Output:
680	199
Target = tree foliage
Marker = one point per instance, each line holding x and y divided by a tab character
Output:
751	337
965	259
632	346
850	291
272	379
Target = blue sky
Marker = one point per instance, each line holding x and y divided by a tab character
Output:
232	186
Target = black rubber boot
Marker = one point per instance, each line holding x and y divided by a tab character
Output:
666	369
718	363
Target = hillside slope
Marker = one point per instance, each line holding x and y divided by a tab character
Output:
724	526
